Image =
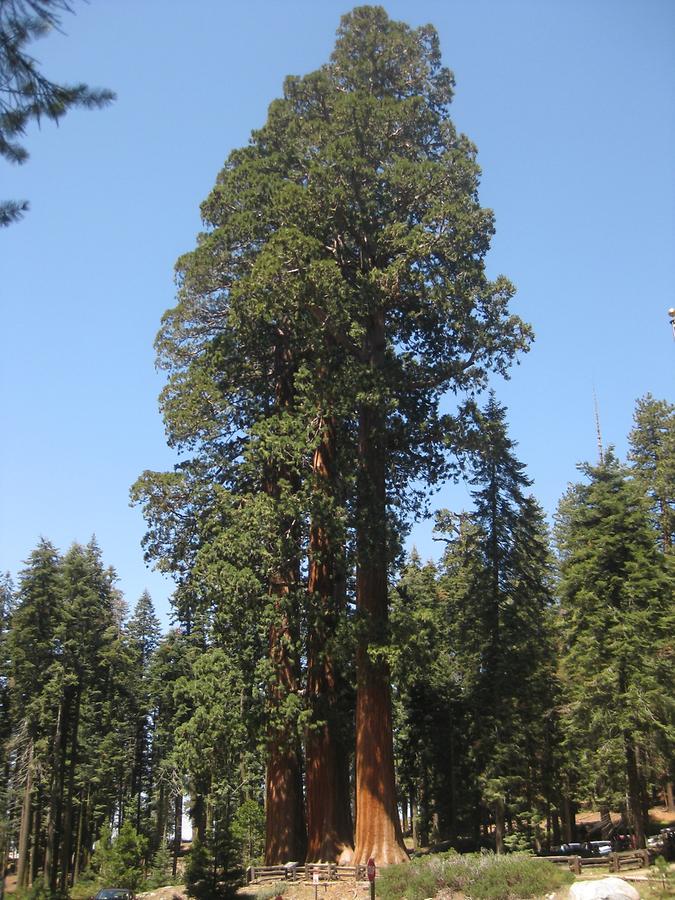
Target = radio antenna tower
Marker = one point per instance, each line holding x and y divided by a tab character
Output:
601	453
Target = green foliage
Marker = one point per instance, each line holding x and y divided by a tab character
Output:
26	95
161	869
248	831
40	890
516	876
199	872
661	884
483	876
490	630
119	861
270	891
652	454
616	595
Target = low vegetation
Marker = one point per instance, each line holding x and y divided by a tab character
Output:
482	876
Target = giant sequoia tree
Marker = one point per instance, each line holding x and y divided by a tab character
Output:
337	292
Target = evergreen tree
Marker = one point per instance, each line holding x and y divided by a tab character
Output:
6	606
33	649
340	281
652	453
144	633
26	95
616	597
170	663
427	703
505	624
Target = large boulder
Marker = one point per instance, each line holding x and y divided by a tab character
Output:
604	889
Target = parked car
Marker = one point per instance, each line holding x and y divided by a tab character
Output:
603	848
114	894
585	849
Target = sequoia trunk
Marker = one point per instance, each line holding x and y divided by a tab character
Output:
329	821
378	829
285	835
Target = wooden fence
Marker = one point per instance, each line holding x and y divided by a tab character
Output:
614	862
295	872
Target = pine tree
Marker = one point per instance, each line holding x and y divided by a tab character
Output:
26	95
143	631
616	597
505	625
32	644
171	662
427	709
6	606
652	453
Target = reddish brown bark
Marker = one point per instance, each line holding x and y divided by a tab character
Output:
378	829
329	820
285	839
285	835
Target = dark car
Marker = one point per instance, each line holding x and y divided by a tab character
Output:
114	894
575	849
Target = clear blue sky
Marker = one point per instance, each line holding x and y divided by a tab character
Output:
571	104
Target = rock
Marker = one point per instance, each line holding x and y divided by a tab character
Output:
603	889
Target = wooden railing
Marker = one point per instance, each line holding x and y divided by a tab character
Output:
296	872
615	862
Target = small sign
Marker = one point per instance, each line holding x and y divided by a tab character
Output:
370	869
315	878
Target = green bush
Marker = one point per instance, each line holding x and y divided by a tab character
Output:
39	891
199	872
161	870
118	862
518	876
123	865
483	876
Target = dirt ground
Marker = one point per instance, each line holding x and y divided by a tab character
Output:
170	892
336	890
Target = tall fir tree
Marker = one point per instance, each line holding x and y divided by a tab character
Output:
32	641
500	573
652	454
616	594
144	634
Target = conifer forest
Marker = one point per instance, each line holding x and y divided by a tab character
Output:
333	356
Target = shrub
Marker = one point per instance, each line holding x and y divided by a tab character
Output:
122	865
517	876
270	891
483	876
161	870
39	890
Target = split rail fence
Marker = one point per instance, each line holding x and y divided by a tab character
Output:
295	872
616	862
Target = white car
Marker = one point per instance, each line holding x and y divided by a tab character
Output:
604	848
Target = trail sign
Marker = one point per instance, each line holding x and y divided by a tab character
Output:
370	869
